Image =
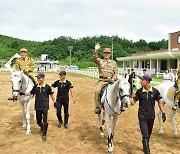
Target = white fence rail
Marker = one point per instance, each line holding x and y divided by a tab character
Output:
92	73
95	74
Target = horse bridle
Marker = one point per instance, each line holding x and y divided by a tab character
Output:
20	86
121	97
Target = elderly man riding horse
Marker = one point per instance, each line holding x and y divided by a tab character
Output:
25	64
108	72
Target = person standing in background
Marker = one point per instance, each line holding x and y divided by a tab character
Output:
167	76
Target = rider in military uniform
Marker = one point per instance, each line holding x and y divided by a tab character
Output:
108	72
25	64
177	93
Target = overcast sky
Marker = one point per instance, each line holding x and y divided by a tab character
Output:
41	20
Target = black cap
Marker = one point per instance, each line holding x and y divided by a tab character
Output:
40	75
144	69
62	73
146	77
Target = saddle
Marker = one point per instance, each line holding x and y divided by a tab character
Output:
102	92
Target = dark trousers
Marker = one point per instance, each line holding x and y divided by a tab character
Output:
42	115
146	126
66	113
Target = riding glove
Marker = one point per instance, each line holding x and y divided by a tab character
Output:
55	105
163	117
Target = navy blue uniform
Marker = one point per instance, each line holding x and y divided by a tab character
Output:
62	99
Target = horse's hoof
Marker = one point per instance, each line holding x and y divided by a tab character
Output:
110	149
160	132
101	134
24	127
28	132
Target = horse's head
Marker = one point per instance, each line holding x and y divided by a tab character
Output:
16	80
124	90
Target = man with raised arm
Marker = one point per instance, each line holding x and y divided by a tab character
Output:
108	72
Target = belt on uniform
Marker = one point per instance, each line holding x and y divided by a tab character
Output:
102	77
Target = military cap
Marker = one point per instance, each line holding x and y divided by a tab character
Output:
23	50
107	50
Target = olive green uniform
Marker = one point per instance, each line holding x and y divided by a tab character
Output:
27	66
107	69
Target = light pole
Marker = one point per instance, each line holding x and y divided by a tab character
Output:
112	48
70	49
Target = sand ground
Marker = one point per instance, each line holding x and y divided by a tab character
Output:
82	137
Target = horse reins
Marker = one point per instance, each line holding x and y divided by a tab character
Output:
109	104
121	97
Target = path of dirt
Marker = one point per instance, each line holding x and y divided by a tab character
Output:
83	135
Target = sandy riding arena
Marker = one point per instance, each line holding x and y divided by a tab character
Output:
82	137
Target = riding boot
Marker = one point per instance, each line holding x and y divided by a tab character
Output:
66	117
41	126
97	110
45	127
146	148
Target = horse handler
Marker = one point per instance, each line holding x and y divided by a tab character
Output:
42	92
108	72
62	99
147	96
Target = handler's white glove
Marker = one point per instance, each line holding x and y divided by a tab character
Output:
97	46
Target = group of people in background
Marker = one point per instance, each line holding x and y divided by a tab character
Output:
170	76
42	91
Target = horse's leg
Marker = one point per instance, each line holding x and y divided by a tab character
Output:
160	123
23	114
100	124
103	119
113	126
110	135
172	115
28	108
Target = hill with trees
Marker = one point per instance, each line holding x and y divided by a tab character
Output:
82	48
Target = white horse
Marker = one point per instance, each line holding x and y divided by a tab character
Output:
166	89
112	98
22	83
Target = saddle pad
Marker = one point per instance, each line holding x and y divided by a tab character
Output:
170	93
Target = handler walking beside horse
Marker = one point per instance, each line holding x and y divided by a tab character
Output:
42	92
147	96
108	72
64	86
